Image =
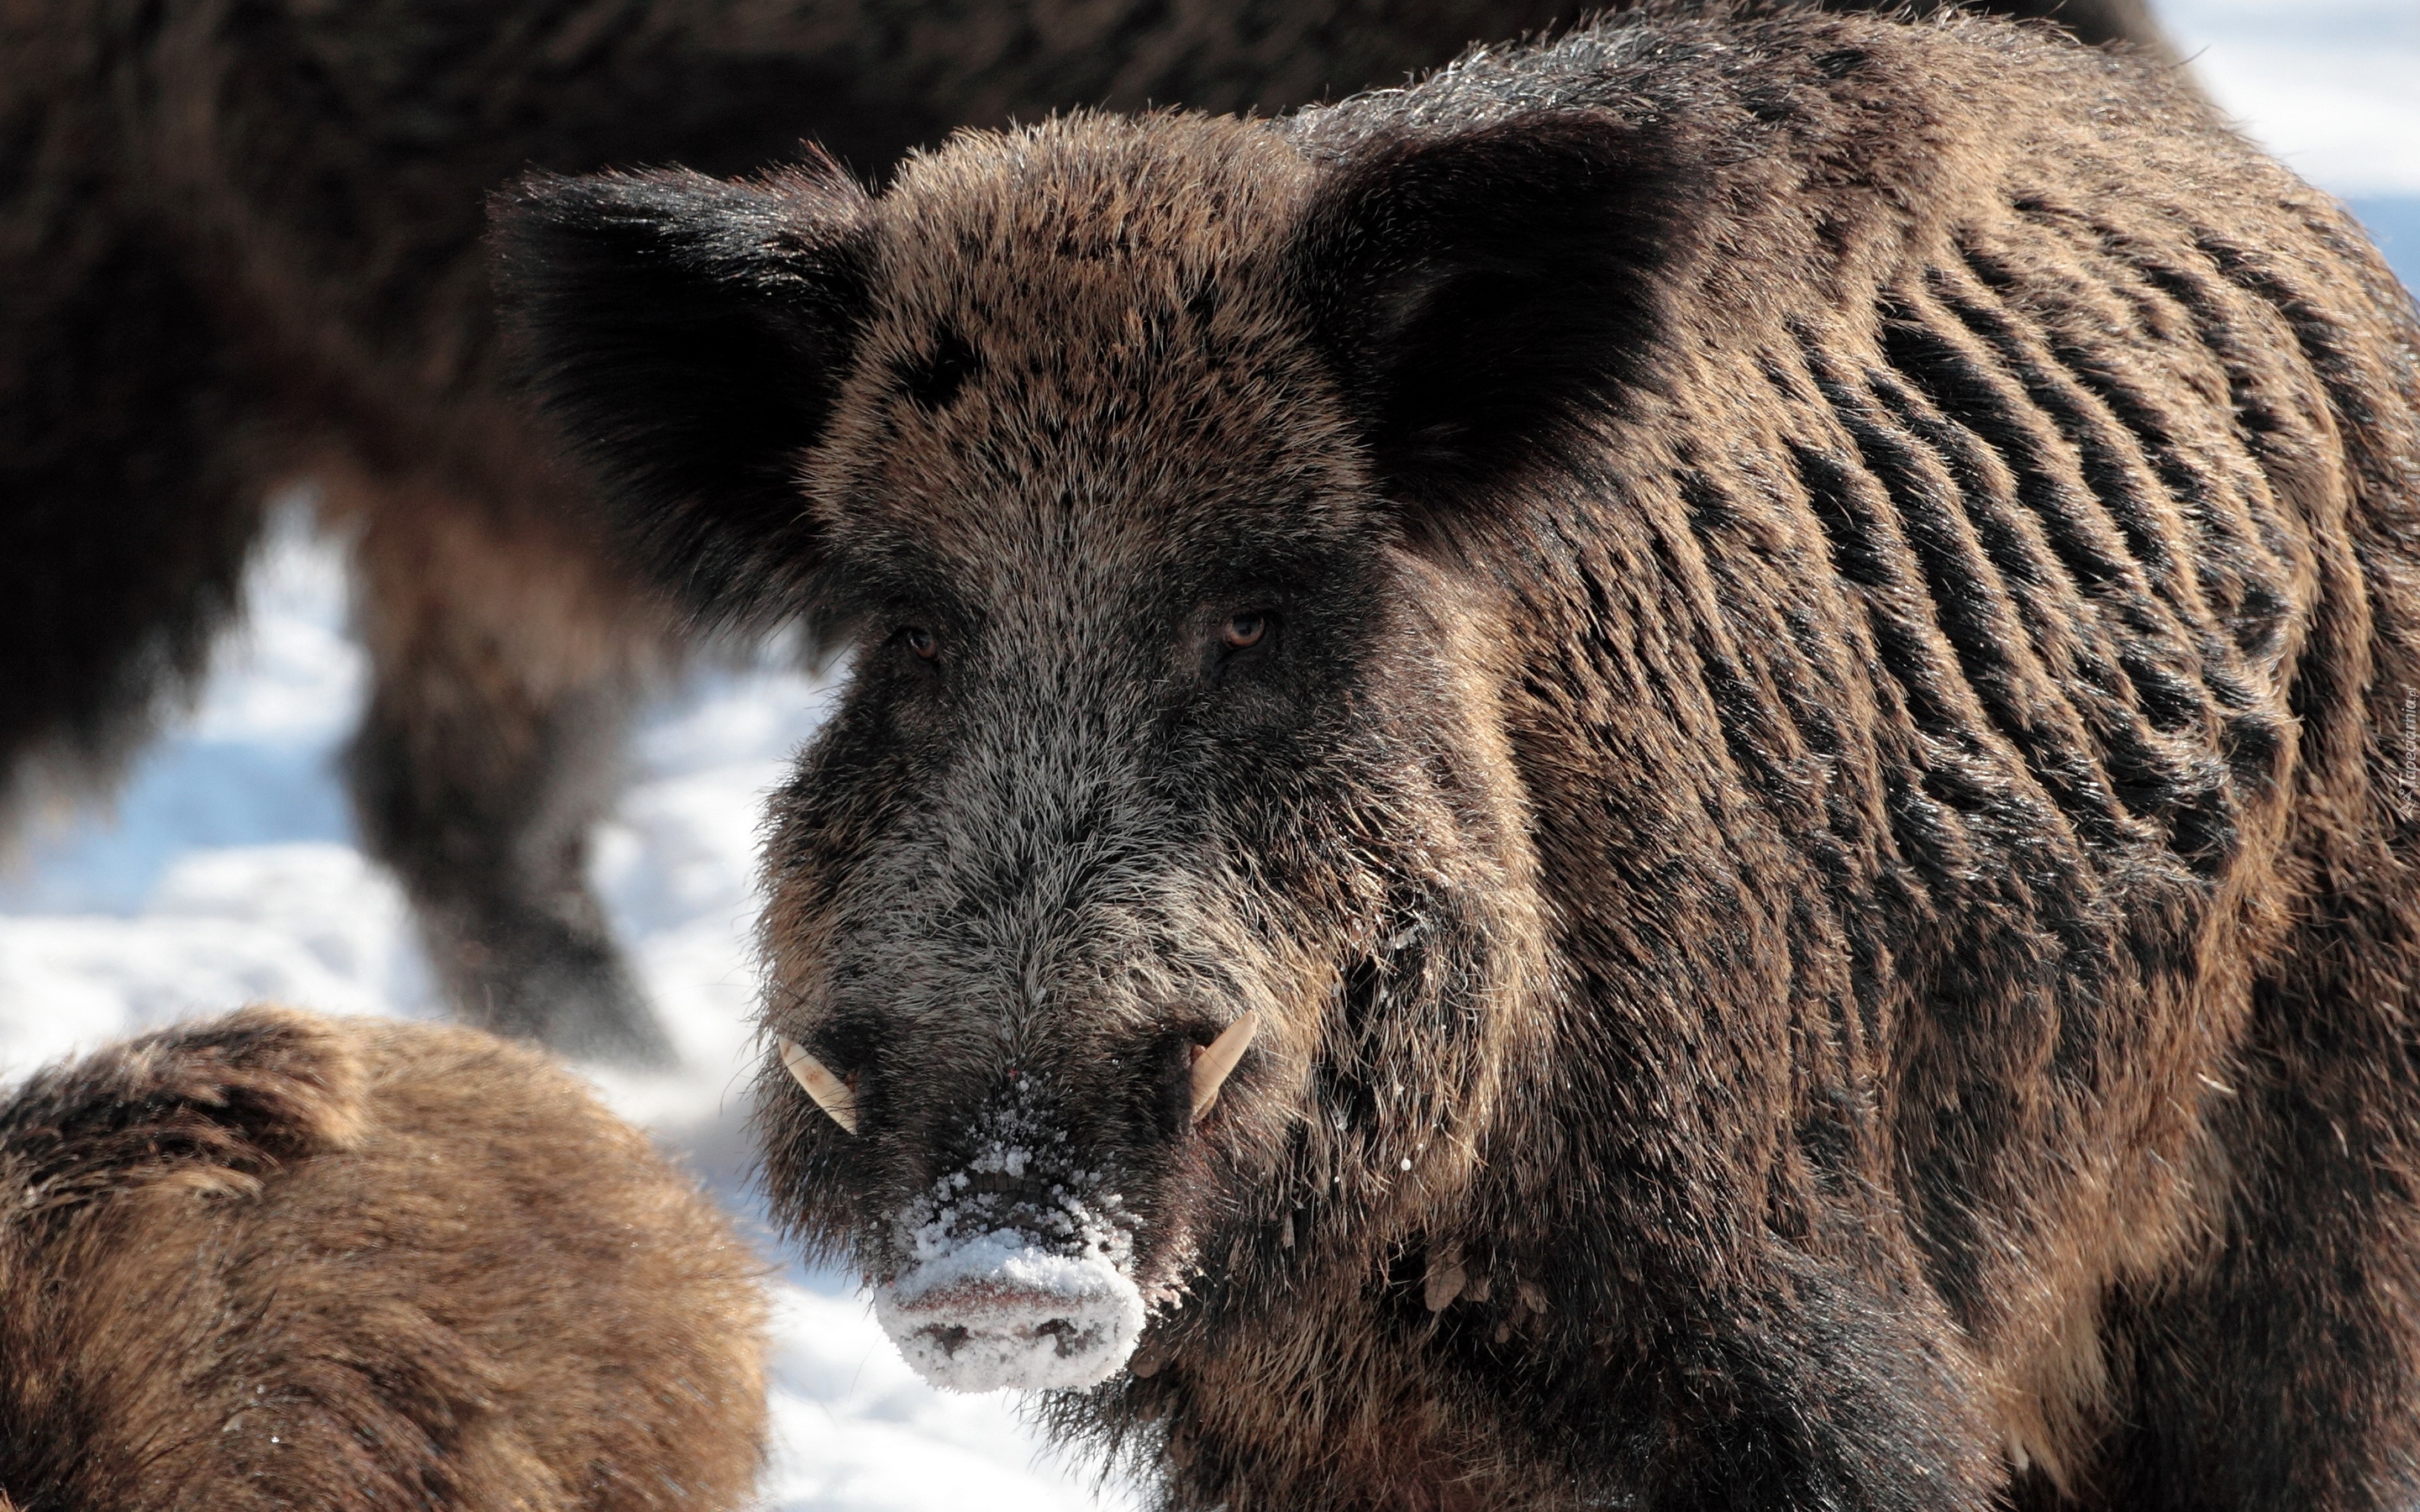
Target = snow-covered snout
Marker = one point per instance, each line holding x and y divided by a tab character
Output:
1012	1281
1003	1310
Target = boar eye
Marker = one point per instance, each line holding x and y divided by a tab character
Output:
1244	631
923	643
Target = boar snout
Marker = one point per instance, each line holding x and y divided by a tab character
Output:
998	1309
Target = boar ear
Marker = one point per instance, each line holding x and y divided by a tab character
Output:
689	336
1479	295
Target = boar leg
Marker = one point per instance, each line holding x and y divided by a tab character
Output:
126	504
506	658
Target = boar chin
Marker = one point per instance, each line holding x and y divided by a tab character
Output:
996	1310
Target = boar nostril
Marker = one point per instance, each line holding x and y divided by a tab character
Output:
999	1184
1214	1061
1063	1334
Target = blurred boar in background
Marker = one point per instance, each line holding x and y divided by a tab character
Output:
237	250
1670	774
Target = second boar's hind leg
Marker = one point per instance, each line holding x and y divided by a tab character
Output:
506	658
127	498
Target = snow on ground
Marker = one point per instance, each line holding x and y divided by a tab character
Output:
227	873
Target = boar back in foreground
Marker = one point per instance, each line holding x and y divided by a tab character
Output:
1672	773
279	1261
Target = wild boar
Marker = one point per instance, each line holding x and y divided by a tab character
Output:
1676	772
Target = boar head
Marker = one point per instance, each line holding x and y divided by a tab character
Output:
1154	927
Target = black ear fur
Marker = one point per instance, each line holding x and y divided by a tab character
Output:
1481	295
691	336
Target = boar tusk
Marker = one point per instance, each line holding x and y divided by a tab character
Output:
1213	1062
830	1093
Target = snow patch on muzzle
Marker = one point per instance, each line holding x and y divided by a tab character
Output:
997	1310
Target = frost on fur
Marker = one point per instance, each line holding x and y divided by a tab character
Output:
995	1309
1014	1282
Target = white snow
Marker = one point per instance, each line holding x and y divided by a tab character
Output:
227	873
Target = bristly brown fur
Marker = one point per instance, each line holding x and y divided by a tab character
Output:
237	249
275	1260
1777	651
